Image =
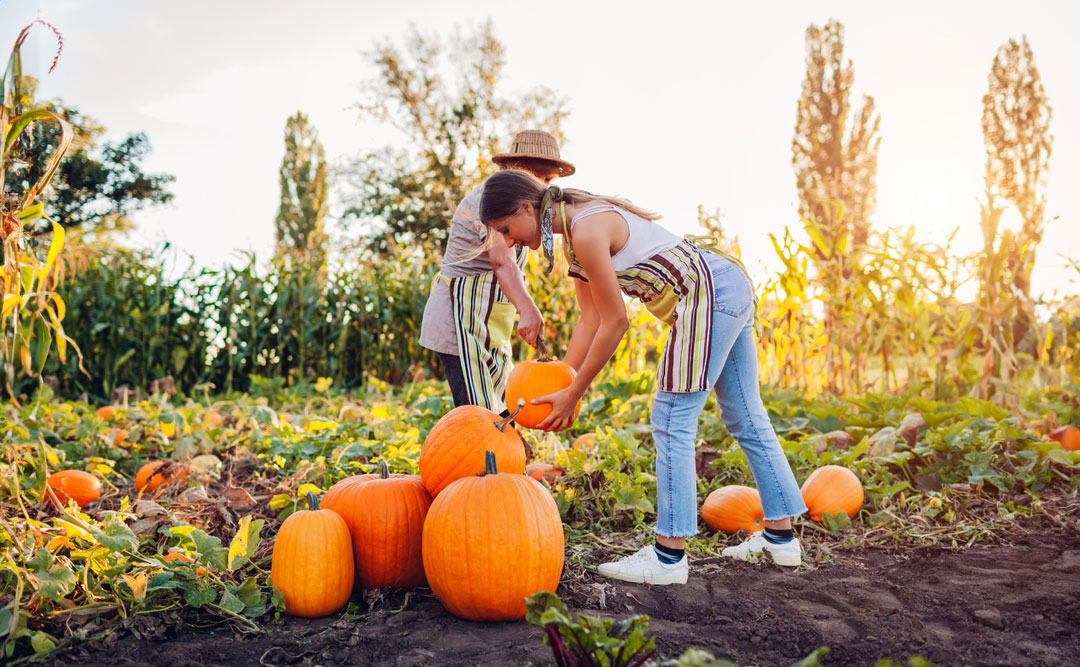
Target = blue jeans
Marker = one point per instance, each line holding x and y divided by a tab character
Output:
733	374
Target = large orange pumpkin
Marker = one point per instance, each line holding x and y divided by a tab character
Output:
385	515
538	377
455	446
312	563
82	487
490	541
155	473
1068	436
832	489
734	508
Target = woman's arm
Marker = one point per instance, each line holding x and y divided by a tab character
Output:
592	243
582	338
531	323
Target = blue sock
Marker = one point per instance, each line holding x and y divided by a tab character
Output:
777	536
667	555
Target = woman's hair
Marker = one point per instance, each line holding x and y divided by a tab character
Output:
505	191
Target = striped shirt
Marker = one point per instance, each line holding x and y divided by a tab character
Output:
685	364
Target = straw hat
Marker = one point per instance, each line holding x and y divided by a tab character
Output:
538	145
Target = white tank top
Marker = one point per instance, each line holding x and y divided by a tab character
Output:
646	237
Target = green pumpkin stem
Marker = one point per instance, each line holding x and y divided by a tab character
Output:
489	464
501	424
384	471
312	501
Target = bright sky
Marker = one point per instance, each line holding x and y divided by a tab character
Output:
673	104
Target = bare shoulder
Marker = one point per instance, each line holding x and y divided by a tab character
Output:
599	228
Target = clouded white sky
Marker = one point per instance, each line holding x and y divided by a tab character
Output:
673	104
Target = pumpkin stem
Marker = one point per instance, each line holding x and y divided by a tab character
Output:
312	501
384	471
542	349
501	424
489	464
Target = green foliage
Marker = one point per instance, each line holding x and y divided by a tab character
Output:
587	641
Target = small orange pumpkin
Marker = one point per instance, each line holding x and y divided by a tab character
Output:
106	411
543	472
538	377
832	489
214	419
80	486
490	541
584	442
155	473
385	515
118	436
1068	436
176	555
455	446
312	562
734	508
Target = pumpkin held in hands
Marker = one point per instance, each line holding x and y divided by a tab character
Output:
455	446
734	508
385	515
534	378
832	489
489	542
312	563
82	487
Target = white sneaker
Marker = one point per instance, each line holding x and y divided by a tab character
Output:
644	567
788	554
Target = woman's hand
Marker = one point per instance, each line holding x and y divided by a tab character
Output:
563	406
531	324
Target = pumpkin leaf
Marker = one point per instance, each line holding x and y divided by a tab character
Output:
245	542
116	536
42	642
230	602
835	522
52	578
197	597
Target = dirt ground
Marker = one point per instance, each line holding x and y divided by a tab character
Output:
1002	604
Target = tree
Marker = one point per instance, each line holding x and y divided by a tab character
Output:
1016	130
299	225
94	189
442	95
834	151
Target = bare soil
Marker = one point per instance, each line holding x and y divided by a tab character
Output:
1002	604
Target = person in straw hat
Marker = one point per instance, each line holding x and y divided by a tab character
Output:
616	248
469	314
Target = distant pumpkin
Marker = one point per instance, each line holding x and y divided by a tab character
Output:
80	486
1068	436
155	473
106	412
543	472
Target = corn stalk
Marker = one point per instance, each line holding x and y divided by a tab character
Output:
32	311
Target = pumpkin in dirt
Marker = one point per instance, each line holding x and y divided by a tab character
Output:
176	555
543	472
385	515
80	486
534	378
155	473
490	541
312	562
734	508
832	489
455	446
1067	436
106	412
584	442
